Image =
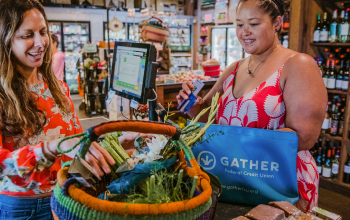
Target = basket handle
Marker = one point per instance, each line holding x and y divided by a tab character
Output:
136	126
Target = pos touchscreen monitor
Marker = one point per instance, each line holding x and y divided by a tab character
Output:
132	70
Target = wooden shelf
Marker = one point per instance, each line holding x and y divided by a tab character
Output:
285	31
181	55
208	23
203	35
337	92
203	44
163	72
332	137
330	44
336	186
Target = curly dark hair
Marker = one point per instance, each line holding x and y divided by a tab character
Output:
19	114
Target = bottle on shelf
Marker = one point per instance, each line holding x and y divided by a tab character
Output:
325	76
324	151
335	166
335	121
325	29
318	29
285	41
319	63
340	75
286	18
331	77
341	121
326	123
344	27
327	166
333	37
346	176
345	84
319	160
340	20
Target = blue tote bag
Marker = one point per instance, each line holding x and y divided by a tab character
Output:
254	166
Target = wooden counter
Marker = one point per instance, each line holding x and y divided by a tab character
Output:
167	92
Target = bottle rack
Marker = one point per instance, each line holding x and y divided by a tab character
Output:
317	49
94	92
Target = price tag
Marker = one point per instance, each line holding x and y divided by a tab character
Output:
169	81
131	12
90	48
111	94
198	72
134	104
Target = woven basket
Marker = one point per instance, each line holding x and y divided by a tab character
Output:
76	204
154	33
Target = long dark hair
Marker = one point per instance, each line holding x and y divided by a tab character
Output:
18	105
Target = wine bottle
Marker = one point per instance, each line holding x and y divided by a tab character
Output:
325	29
346	176
340	20
345	84
331	77
325	77
319	160
340	75
333	28
335	121
335	166
318	29
327	166
344	31
341	122
326	123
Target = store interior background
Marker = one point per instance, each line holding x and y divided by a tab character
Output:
333	196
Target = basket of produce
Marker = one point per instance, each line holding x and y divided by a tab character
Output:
155	182
154	31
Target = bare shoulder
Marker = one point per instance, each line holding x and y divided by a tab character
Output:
300	62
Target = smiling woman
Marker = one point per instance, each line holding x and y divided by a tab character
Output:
35	112
274	88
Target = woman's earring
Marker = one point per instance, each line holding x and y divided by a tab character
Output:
276	30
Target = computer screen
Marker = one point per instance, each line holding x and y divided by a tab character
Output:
129	70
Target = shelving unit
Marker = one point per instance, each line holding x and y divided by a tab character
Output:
303	25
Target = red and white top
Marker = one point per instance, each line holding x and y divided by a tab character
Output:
263	107
24	170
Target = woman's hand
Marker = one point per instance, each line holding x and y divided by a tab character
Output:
127	140
187	88
97	156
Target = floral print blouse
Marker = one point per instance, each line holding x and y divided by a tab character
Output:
24	170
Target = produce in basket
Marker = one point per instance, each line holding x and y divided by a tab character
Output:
148	171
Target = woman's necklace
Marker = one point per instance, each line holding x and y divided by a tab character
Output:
250	58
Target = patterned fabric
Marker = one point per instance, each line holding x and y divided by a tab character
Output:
263	107
24	170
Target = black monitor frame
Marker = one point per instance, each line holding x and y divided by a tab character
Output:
148	69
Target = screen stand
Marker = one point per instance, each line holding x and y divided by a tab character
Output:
151	92
152	114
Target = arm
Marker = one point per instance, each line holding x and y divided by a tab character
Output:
305	97
205	102
22	163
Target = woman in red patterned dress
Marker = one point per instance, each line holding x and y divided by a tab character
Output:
274	88
35	112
